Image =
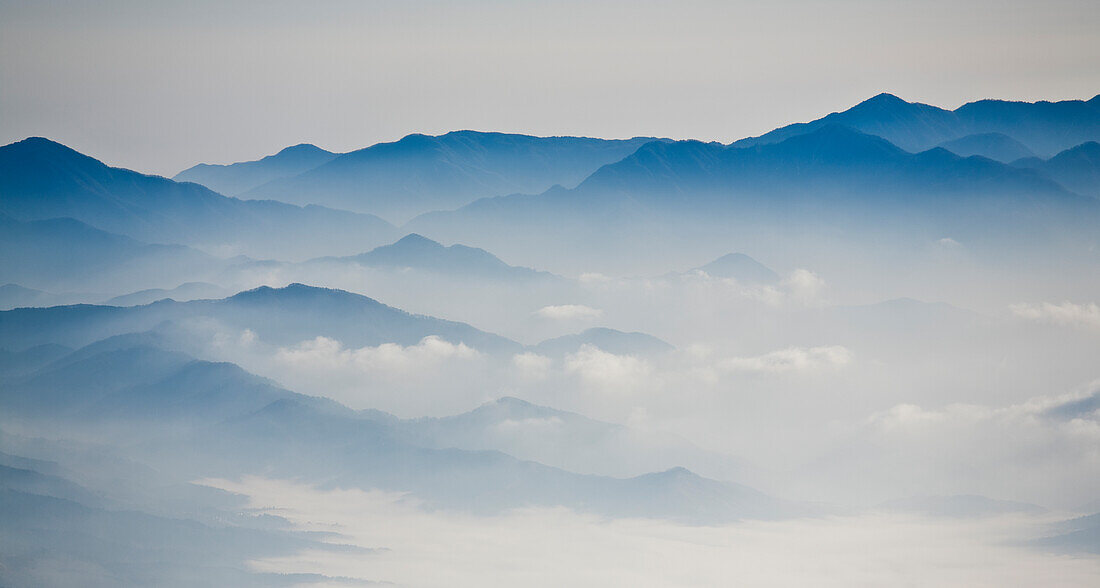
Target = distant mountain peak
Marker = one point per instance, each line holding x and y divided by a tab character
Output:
235	178
417	252
301	148
677	474
300	292
740	267
512	401
1044	127
289	288
416	239
883	99
39	142
42	146
1089	147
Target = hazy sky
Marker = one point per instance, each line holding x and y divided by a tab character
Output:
160	86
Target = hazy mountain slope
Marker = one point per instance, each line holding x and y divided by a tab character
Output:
281	316
415	252
567	440
996	146
25	361
30	481
134	380
57	532
51	541
1077	168
1045	127
609	340
41	179
207	419
236	178
63	253
1079	535
420	172
183	292
15	296
368	452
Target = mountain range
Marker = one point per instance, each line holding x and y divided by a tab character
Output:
1045	128
282	316
115	397
41	179
421	173
216	416
831	176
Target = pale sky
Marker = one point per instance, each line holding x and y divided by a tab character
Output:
161	86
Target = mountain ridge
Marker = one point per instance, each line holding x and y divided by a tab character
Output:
41	179
284	316
1045	127
420	172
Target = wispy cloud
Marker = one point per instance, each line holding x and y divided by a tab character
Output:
532	365
1066	313
791	359
565	312
330	354
599	368
1047	446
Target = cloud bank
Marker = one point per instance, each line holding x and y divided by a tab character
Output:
558	547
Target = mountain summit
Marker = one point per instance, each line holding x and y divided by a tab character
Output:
417	252
238	178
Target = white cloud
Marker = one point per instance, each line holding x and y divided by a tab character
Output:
566	312
800	288
1044	450
1066	313
804	287
329	354
791	359
1051	410
434	376
532	365
598	368
594	278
